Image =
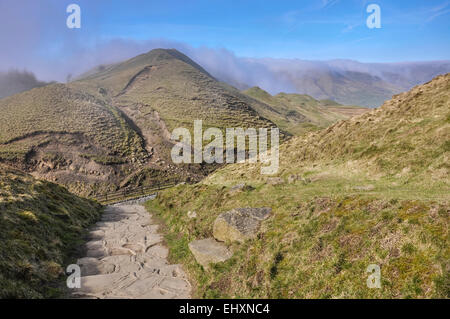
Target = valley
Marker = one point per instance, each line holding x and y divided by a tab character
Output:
355	186
110	129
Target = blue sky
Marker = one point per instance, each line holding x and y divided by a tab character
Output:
34	36
321	29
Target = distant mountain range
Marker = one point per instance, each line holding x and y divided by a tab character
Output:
345	81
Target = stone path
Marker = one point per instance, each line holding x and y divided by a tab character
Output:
126	259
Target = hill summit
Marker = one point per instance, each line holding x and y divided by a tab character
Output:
110	129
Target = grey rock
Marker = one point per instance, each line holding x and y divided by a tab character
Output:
207	251
237	188
239	224
126	259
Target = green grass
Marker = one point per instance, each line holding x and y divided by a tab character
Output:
371	190
298	113
26	121
122	116
179	90
317	244
41	228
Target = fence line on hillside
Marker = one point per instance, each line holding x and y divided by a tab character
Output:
132	193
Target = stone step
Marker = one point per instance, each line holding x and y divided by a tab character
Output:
207	251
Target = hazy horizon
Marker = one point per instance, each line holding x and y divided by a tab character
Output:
37	39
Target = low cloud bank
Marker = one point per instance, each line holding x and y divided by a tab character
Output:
35	39
320	79
15	81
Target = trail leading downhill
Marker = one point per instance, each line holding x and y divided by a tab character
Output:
125	258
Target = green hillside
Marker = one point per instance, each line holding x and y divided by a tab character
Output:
178	89
373	189
297	113
111	128
41	228
57	109
68	136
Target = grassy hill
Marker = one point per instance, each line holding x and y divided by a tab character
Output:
68	136
41	226
60	110
297	113
111	128
179	90
373	189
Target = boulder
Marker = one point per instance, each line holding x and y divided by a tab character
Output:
239	224
208	251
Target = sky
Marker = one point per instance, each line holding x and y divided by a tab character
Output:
34	35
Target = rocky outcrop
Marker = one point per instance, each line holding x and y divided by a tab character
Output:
239	224
208	251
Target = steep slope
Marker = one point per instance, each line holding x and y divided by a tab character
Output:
111	129
373	189
180	91
297	114
41	225
68	136
409	133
